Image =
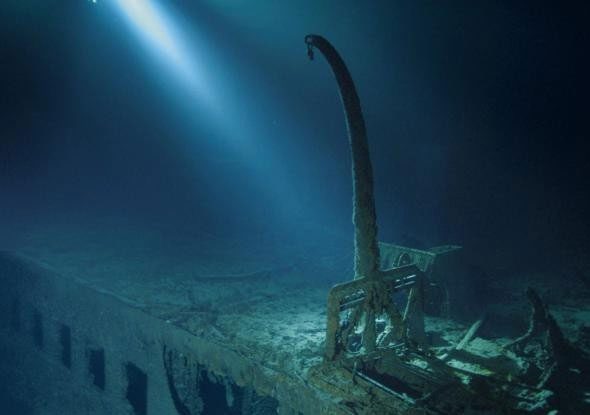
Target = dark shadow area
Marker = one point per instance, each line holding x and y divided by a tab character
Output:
223	397
38	335
137	384
96	367
65	341
214	396
10	406
15	315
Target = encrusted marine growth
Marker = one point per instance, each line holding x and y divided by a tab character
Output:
372	347
369	297
366	255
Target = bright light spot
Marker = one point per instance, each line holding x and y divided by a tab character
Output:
152	25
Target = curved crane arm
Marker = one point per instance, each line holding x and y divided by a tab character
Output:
366	251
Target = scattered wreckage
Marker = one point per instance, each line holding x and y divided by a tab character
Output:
371	341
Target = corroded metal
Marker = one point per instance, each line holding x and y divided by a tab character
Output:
369	341
366	299
374	286
366	255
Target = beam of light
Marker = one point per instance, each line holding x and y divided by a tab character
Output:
196	68
190	62
157	31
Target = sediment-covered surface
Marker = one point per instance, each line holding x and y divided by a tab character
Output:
251	315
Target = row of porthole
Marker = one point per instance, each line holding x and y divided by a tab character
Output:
136	393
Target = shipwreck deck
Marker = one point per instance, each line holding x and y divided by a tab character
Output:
239	314
135	321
